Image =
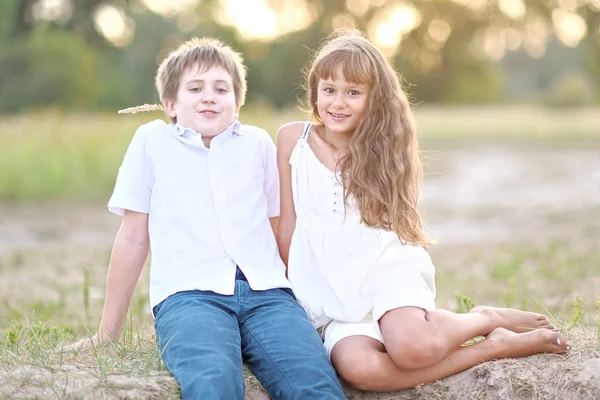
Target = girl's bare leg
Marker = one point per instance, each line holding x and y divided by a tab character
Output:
515	320
364	363
418	339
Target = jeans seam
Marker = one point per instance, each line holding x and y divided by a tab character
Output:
273	361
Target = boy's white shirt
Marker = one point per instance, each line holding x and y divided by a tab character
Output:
208	209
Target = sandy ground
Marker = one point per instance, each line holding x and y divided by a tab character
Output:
539	377
478	195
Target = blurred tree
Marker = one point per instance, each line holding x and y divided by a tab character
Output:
128	73
48	67
76	16
529	79
277	75
571	89
7	20
447	50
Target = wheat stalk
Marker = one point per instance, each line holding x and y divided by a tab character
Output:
142	108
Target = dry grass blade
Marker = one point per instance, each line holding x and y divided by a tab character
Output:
142	108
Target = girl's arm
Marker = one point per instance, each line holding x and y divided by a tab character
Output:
287	137
274	225
129	253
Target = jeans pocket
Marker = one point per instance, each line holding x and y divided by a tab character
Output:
290	292
156	309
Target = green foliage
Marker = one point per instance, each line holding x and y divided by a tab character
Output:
68	64
52	155
577	313
35	335
571	89
7	16
57	155
50	67
127	74
464	304
482	85
86	293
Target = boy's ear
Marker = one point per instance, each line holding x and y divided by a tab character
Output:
237	112
170	108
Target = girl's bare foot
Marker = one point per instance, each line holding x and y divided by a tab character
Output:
508	344
515	320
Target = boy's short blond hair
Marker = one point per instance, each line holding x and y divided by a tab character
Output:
204	53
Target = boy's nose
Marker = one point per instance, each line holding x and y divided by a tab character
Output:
209	99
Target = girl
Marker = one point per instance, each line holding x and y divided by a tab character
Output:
352	237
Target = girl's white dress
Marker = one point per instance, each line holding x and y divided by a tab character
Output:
340	269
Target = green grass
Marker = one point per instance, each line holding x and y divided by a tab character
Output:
550	276
53	155
31	355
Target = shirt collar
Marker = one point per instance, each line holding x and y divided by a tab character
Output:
193	138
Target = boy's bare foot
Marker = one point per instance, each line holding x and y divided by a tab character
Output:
515	320
508	344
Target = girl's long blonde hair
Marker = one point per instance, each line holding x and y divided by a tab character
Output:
381	168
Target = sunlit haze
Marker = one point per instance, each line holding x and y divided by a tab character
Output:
392	21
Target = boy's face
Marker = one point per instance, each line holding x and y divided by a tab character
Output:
205	101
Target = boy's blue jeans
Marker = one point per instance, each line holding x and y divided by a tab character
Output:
203	337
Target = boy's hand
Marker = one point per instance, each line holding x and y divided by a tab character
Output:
87	343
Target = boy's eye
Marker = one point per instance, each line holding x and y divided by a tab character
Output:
221	90
194	89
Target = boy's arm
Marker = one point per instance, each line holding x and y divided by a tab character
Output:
127	261
131	199
287	137
129	253
271	182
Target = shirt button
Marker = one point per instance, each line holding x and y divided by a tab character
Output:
335	211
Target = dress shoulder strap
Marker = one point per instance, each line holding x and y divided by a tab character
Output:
306	130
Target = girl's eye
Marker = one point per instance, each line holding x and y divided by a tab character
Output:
328	90
353	93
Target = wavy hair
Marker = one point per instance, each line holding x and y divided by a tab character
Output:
382	168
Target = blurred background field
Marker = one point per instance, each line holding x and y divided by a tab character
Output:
511	195
507	99
57	155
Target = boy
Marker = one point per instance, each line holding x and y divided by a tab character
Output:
201	192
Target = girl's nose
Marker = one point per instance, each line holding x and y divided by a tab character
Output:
339	102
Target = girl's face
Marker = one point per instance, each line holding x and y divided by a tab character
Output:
341	104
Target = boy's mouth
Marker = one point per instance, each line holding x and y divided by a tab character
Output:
209	113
